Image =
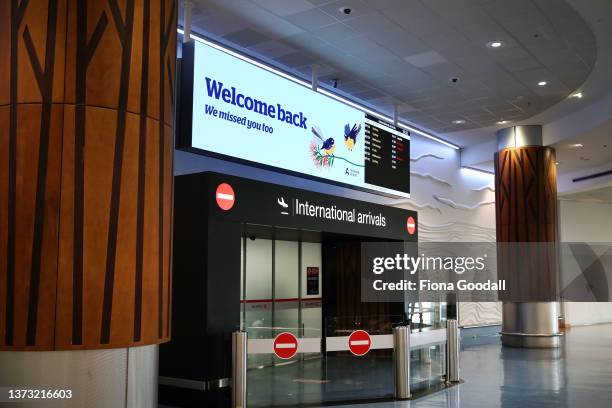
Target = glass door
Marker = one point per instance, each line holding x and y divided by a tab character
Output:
280	296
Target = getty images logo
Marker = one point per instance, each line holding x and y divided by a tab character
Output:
232	96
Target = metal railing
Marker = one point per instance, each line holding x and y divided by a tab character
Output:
401	361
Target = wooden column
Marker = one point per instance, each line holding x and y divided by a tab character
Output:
526	212
86	162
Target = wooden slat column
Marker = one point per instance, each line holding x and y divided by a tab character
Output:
86	162
526	221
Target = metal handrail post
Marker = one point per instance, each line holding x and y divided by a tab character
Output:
239	369
452	350
401	361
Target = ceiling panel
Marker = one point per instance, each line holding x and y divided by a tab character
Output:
284	7
246	37
311	19
405	51
336	32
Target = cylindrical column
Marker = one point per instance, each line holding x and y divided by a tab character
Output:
239	369
526	218
452	350
86	153
530	324
401	361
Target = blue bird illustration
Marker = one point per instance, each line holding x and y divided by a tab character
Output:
351	134
328	145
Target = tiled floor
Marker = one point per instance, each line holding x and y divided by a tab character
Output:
578	376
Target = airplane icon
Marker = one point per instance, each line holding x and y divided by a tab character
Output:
282	203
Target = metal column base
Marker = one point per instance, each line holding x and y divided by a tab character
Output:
109	378
530	325
531	340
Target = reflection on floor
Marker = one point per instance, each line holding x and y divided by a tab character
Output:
578	375
339	377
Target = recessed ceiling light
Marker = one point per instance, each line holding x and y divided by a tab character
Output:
495	44
346	10
576	95
502	122
577	145
459	121
542	83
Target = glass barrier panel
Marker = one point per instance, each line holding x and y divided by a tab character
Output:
350	376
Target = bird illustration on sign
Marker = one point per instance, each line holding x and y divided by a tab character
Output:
322	148
351	134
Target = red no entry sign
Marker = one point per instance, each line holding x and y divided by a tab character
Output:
225	196
359	342
411	225
285	345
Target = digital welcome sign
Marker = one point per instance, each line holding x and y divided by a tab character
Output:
239	111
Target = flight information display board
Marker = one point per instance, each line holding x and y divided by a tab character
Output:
236	110
387	155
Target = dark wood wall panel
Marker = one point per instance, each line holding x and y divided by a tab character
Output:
342	288
526	212
86	172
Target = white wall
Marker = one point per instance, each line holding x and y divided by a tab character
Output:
591	223
454	204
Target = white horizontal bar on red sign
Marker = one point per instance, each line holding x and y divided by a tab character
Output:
286	345
223	196
266	346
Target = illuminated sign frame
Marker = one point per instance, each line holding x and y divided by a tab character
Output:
185	137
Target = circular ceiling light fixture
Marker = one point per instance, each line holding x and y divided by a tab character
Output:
542	83
503	122
458	121
577	95
495	44
346	10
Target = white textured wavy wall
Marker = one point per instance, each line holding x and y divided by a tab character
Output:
454	204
